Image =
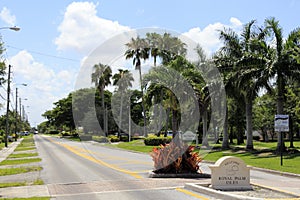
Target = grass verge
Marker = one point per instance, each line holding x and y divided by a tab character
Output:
135	145
19	170
20	161
22	155
18	184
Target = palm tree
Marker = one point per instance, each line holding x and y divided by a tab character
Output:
286	63
170	47
138	49
245	57
123	80
154	40
101	78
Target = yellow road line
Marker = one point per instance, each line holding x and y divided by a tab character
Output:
91	158
191	194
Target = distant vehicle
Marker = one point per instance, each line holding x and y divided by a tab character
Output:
35	132
10	138
24	133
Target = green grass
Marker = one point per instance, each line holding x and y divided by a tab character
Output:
22	155
14	184
25	148
135	145
19	170
262	159
20	161
18	184
31	198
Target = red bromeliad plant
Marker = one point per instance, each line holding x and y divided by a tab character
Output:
176	157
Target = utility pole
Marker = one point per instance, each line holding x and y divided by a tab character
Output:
20	110
16	123
7	107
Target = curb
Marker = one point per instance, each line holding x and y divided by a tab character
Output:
216	193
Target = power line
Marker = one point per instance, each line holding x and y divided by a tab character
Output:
44	54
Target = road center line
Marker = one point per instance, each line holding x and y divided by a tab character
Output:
93	159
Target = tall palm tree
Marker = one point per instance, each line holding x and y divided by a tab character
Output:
101	78
286	63
245	59
170	47
123	80
154	40
138	49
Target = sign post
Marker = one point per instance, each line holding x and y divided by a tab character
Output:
281	123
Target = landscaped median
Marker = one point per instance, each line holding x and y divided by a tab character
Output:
21	168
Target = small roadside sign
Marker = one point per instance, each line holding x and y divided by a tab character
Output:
281	123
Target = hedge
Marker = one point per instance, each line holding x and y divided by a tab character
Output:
156	141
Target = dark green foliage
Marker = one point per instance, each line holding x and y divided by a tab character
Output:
156	141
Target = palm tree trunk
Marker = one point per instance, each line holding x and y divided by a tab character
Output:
204	137
143	104
103	109
225	144
120	117
249	142
280	99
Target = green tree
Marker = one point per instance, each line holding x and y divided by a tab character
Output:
123	80
138	49
285	65
246	58
101	78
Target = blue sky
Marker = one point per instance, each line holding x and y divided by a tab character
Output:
57	35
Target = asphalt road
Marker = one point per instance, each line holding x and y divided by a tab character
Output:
84	170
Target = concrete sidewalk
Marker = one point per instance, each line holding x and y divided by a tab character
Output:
6	151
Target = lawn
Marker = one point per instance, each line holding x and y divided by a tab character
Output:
20	161
19	170
263	156
135	145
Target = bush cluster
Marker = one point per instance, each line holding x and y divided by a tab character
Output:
156	141
113	138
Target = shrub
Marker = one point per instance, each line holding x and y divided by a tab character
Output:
113	138
176	157
156	141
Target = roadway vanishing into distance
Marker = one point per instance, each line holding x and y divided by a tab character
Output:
85	170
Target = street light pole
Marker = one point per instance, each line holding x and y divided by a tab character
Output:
7	107
14	28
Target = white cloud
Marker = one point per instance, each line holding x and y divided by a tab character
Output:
82	30
44	85
7	17
236	22
208	38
